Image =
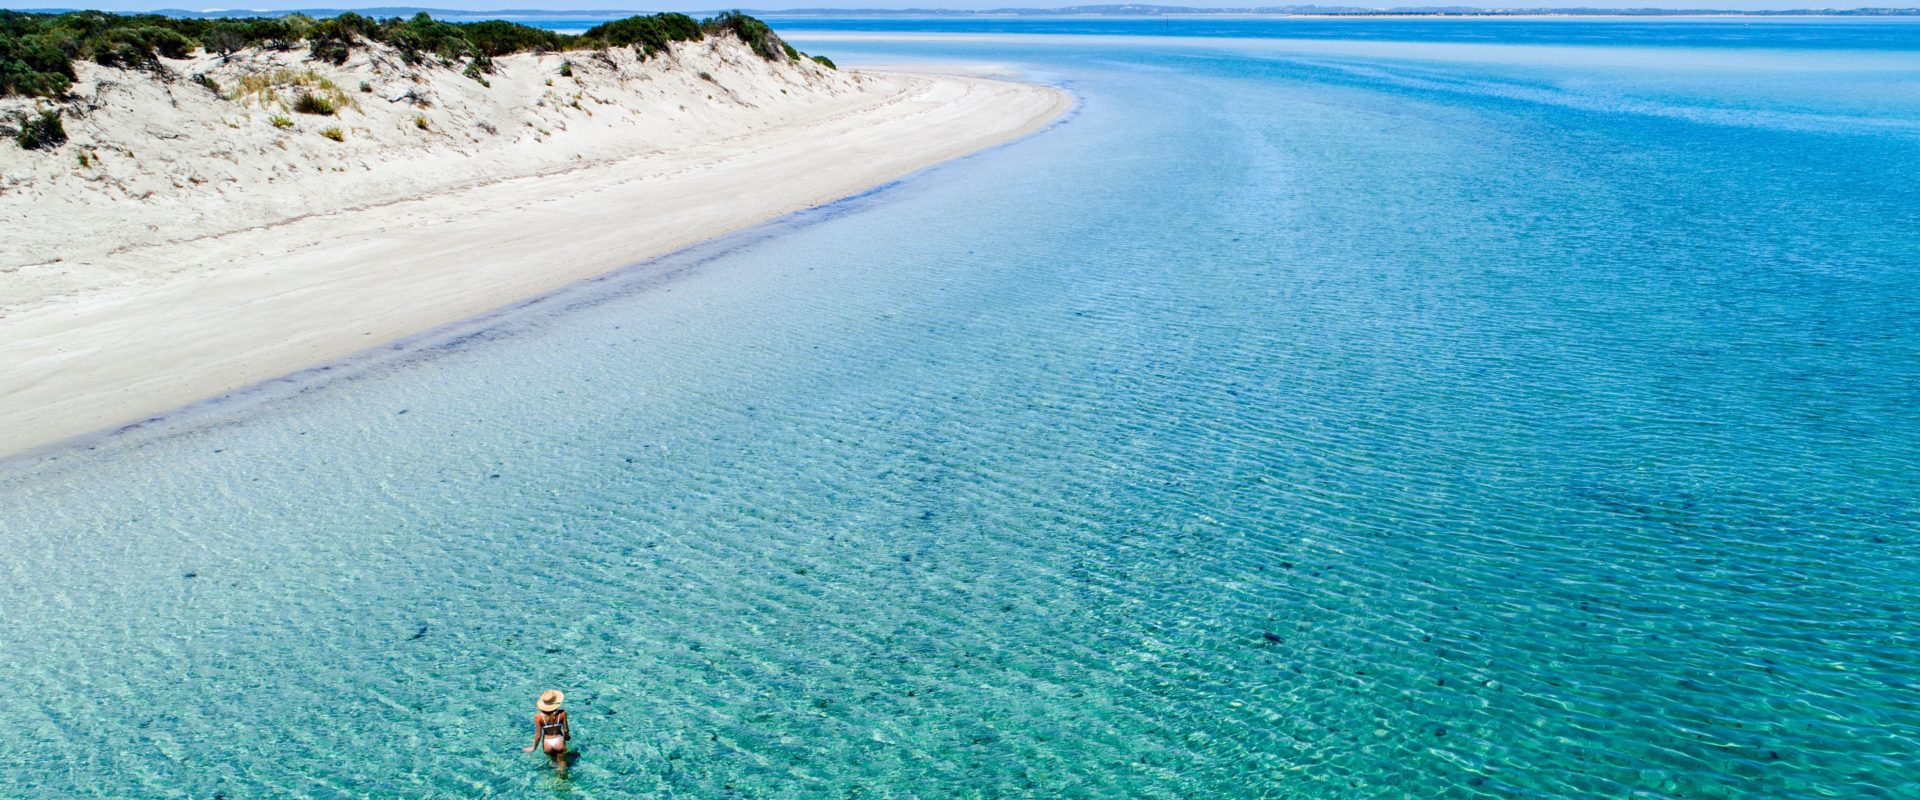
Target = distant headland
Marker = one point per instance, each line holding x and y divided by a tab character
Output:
1342	11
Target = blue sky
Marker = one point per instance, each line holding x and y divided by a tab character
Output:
709	5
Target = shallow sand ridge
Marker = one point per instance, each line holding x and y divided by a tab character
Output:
148	328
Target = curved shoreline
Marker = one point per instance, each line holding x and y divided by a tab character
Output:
318	290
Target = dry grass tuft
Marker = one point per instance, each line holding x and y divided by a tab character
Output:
278	89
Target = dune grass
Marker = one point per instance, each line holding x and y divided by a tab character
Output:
303	90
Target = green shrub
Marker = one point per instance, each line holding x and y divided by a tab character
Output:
269	33
171	43
332	50
334	133
824	61
41	132
478	68
226	38
355	24
310	103
566	69
648	35
423	37
34	66
299	26
752	31
497	38
333	40
123	48
283	123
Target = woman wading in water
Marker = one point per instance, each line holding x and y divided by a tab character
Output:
550	729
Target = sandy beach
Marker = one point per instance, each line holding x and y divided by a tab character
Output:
124	295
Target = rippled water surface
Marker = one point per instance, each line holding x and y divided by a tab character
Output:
1371	416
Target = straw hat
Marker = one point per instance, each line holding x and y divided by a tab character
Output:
550	701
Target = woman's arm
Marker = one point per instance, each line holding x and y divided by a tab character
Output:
536	735
566	725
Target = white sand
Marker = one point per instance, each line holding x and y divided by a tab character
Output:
202	249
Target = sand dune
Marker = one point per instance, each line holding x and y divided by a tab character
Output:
204	248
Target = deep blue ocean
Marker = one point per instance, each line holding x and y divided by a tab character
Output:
1323	409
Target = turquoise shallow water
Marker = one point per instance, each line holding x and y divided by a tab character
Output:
1333	418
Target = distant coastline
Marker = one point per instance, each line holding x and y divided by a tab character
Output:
1345	11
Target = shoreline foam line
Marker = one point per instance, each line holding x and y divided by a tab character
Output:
88	368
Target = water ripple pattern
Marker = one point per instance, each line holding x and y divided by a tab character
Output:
1280	426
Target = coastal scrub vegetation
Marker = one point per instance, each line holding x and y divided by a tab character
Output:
478	69
43	131
38	50
752	31
649	35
